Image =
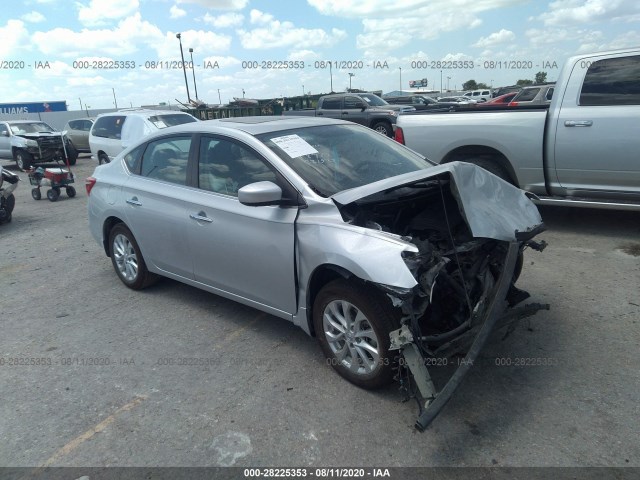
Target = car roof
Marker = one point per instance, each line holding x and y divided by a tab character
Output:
25	121
142	112
256	125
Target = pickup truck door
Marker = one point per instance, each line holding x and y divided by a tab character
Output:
330	108
5	141
598	128
355	110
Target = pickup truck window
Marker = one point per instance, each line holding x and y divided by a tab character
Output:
35	127
353	102
331	104
344	157
613	81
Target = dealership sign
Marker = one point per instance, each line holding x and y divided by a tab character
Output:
33	107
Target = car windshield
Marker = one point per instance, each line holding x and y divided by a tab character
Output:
373	100
170	120
333	158
34	127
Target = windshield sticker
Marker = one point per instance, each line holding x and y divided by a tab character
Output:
294	146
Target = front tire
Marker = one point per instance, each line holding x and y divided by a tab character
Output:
352	324
53	194
72	153
23	159
127	259
36	194
384	128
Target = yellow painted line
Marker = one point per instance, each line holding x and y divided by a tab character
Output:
80	439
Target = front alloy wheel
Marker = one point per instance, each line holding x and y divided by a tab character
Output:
352	323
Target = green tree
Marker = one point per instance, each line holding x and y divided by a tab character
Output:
524	83
470	85
541	77
481	86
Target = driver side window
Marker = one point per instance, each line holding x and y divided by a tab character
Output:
225	167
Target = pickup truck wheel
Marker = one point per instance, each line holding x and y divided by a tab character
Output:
23	159
490	166
352	324
72	153
383	128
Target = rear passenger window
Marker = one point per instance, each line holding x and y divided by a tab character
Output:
108	127
331	104
132	159
166	159
613	81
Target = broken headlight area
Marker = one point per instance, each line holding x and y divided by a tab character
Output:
465	285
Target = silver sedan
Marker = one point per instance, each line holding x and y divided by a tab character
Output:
356	239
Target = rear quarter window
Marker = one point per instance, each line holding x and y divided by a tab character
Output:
108	127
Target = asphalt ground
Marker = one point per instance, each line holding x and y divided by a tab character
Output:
89	370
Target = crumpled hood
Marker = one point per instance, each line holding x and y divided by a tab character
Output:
491	207
38	135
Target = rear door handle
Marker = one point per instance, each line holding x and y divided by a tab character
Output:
134	201
200	217
578	123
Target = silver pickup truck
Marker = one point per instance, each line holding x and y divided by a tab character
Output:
364	108
583	150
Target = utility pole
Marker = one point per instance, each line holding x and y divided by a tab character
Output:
401	79
219	99
115	102
350	76
331	76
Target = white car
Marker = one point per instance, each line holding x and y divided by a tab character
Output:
112	132
479	95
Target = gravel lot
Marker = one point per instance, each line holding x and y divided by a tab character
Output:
262	393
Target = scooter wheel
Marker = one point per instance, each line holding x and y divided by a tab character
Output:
35	193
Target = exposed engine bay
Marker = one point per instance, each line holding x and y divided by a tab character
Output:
462	280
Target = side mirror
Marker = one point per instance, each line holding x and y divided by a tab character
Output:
364	107
260	194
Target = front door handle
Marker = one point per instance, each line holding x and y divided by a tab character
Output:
134	201
200	217
578	123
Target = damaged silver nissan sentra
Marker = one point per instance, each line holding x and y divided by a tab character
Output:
388	260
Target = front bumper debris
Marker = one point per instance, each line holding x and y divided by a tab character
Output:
476	335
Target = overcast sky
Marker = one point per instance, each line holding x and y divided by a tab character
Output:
498	39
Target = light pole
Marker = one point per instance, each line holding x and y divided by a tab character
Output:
184	69
303	90
115	102
219	99
351	75
400	79
448	78
331	76
243	93
195	87
440	81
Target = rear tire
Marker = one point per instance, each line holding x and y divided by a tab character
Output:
71	192
127	259
352	325
103	158
72	153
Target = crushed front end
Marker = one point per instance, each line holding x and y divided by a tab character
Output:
470	229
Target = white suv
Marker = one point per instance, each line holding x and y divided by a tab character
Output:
112	132
479	95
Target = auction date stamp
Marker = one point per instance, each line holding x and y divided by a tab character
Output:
90	361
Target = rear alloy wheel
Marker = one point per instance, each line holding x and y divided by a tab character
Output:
23	159
352	324
127	259
384	128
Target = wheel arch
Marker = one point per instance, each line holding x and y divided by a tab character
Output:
489	154
107	226
384	121
321	276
